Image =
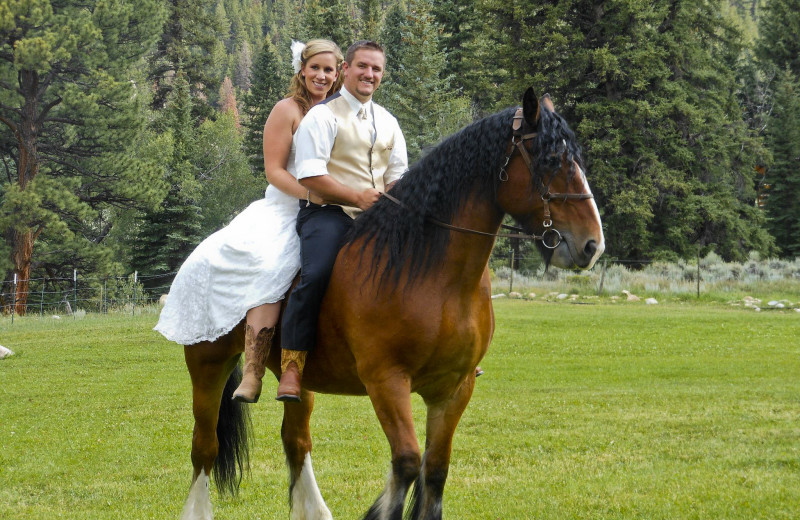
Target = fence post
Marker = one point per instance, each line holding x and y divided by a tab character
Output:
74	291
103	304
698	271
41	301
602	278
511	277
14	299
135	277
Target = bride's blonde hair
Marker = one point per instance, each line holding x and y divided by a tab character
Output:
297	87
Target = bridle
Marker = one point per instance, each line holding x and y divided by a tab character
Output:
518	138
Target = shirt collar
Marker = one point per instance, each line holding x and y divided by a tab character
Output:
353	101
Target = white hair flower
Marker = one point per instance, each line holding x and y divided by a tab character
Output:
297	53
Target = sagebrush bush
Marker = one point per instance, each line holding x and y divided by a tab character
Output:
770	278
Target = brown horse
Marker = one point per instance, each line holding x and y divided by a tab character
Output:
408	308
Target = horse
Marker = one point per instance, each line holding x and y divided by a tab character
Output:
429	240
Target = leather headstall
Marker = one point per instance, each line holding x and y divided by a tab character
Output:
518	139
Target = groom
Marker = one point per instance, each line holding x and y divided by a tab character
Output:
348	150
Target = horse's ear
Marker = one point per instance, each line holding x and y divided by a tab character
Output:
530	107
547	102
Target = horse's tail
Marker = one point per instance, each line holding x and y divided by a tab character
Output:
232	433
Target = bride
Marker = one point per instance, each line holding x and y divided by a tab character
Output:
244	269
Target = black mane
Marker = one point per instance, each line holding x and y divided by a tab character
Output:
468	162
554	138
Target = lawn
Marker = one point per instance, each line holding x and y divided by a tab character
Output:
612	411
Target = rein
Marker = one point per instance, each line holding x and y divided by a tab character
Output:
520	232
518	139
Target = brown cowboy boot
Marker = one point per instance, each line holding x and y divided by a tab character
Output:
256	348
292	363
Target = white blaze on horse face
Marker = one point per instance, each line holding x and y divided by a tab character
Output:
307	501
601	243
198	504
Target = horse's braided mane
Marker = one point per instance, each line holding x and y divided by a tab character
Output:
468	162
554	138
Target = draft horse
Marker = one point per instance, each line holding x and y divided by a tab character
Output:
409	309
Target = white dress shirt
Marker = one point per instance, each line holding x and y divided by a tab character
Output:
315	136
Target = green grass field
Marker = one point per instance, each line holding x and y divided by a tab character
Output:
604	411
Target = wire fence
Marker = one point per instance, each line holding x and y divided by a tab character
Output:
80	294
701	277
136	292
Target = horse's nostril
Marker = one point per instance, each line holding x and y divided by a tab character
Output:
591	248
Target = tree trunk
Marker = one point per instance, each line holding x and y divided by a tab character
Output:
22	251
28	130
27	133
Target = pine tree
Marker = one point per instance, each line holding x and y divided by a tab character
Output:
779	25
329	19
253	13
391	38
238	29
224	26
459	23
227	100
474	31
75	124
227	184
269	87
648	88
342	23
777	48
286	21
783	139
423	102
754	91
168	234
371	19
189	42
466	41
244	64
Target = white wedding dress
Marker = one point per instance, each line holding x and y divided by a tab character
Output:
251	261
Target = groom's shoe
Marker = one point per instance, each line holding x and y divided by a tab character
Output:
292	363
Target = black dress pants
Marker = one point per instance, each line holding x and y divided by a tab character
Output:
322	231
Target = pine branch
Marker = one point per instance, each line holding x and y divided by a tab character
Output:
10	87
10	124
8	170
49	106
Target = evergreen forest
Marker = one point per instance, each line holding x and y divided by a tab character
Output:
131	129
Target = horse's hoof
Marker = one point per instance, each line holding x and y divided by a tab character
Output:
288	398
478	371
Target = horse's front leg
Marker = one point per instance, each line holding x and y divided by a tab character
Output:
305	499
443	417
391	399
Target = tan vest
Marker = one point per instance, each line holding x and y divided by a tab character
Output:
355	162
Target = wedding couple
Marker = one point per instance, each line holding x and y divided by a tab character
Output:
329	152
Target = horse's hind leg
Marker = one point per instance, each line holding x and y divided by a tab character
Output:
209	366
305	499
443	417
